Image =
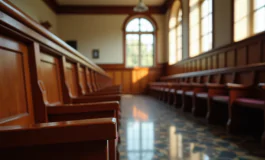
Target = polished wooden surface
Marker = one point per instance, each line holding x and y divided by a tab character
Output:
71	78
15	99
49	75
247	52
134	81
82	79
34	89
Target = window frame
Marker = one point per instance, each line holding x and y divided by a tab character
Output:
250	20
154	33
178	6
201	35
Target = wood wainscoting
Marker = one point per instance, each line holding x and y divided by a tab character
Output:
246	52
133	80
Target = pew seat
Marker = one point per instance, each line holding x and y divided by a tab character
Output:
255	103
189	93
223	99
202	95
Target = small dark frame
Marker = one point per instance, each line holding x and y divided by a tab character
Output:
95	53
72	43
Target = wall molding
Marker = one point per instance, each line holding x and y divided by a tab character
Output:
99	9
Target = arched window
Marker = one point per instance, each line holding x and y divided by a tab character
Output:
140	43
175	34
248	18
200	26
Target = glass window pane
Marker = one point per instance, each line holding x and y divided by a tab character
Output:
147	56
146	26
241	29
132	56
132	50
172	47
147	39
205	26
179	54
179	30
205	8
194	17
241	9
259	20
172	22
132	39
194	48
147	50
133	25
192	2
180	16
194	32
258	4
210	4
179	42
206	43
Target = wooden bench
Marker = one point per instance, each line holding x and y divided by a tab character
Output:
22	137
223	96
32	94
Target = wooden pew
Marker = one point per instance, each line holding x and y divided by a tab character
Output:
75	92
232	96
247	103
99	86
218	99
24	138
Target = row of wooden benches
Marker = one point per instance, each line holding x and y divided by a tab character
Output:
54	103
231	96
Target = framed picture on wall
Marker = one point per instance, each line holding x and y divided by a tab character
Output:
95	53
72	43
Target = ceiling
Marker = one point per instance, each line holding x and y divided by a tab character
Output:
109	2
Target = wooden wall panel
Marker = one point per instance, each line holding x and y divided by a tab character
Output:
13	100
71	78
230	59
246	52
221	60
214	62
242	56
134	81
15	88
49	70
254	55
118	77
209	63
127	81
203	64
82	77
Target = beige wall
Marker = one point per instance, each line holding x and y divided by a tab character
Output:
103	32
38	10
222	22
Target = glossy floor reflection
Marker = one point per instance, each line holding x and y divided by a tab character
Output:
152	130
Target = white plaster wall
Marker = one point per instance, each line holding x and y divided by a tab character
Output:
103	32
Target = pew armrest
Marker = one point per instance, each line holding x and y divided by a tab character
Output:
238	86
82	108
199	85
58	132
215	85
91	99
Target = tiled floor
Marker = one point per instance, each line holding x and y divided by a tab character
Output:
152	130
